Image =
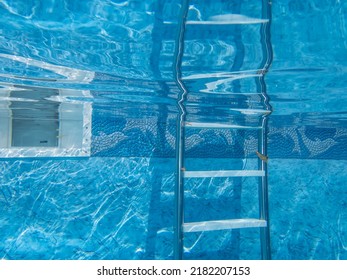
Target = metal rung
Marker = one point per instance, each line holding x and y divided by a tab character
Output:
218	125
251	111
229	20
224	173
223	224
248	112
222	76
223	93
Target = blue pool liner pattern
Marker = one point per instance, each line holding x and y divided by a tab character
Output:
126	137
119	203
65	209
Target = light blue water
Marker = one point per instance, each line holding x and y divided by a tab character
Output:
88	110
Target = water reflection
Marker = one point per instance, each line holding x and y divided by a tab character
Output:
37	121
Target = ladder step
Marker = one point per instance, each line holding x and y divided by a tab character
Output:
251	111
232	19
234	111
223	76
224	173
218	125
221	93
223	224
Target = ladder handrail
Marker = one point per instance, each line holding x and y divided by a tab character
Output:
263	194
179	191
265	38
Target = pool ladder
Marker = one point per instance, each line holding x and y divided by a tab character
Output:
180	226
228	224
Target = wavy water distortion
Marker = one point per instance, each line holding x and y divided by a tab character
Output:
107	106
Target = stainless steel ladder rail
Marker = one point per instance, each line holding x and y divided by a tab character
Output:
180	135
265	37
180	226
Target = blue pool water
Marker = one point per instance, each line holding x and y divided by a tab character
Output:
88	127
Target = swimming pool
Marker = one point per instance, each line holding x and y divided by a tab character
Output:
90	98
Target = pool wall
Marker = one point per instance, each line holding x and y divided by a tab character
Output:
118	204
